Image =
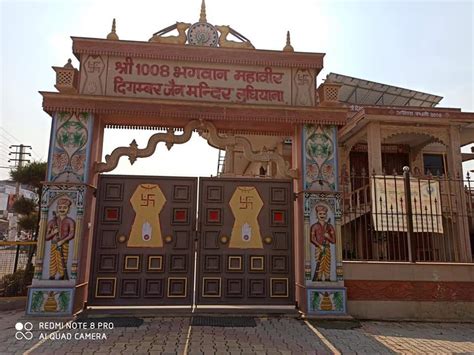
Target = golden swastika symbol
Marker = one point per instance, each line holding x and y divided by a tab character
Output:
148	200
246	202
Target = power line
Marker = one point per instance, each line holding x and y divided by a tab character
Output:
5	139
5	144
11	135
38	156
9	140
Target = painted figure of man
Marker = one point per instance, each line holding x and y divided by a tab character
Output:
60	231
322	236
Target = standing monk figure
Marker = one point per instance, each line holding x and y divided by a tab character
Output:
60	231
322	236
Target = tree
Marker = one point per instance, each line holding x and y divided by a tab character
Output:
27	208
31	174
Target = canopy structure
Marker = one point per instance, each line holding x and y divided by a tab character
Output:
363	92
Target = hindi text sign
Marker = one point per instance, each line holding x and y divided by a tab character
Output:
148	78
389	210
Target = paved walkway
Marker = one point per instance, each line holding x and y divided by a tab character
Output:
273	335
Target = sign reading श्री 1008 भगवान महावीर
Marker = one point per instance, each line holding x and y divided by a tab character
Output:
145	78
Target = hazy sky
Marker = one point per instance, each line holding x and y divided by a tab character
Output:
424	45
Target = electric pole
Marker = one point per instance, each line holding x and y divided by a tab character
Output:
18	159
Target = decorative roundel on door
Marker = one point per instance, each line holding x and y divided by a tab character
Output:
203	34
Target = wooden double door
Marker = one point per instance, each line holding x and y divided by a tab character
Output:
176	241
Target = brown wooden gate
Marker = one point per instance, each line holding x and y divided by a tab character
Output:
139	259
245	242
144	242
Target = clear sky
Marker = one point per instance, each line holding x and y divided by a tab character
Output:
420	45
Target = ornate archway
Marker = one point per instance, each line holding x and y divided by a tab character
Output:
219	87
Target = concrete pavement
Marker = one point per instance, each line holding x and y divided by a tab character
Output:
272	335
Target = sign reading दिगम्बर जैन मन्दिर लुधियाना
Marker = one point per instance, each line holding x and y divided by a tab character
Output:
207	82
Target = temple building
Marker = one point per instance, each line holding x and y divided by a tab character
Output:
341	199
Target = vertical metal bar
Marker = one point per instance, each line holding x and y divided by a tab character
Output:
358	231
351	216
445	215
439	219
375	212
397	213
354	211
390	236
367	221
457	209
404	240
415	237
469	209
462	217
343	211
406	176
452	254
348	210
387	244
421	223
435	257
373	209
384	240
17	254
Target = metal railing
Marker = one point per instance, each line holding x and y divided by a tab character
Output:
14	256
407	218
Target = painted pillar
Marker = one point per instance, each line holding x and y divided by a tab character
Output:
62	224
325	292
463	243
86	249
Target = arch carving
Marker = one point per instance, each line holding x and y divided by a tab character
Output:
213	138
433	135
437	135
351	142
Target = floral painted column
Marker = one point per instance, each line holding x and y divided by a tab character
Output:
326	294
62	216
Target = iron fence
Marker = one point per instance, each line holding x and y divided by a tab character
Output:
407	218
14	256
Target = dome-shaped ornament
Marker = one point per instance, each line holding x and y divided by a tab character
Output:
203	34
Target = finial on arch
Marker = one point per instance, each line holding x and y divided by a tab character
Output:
288	47
202	16
69	65
113	35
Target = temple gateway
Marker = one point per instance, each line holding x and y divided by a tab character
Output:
343	198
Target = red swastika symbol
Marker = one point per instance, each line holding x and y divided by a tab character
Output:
148	199
246	202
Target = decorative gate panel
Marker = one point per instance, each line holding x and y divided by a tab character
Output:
144	241
245	253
